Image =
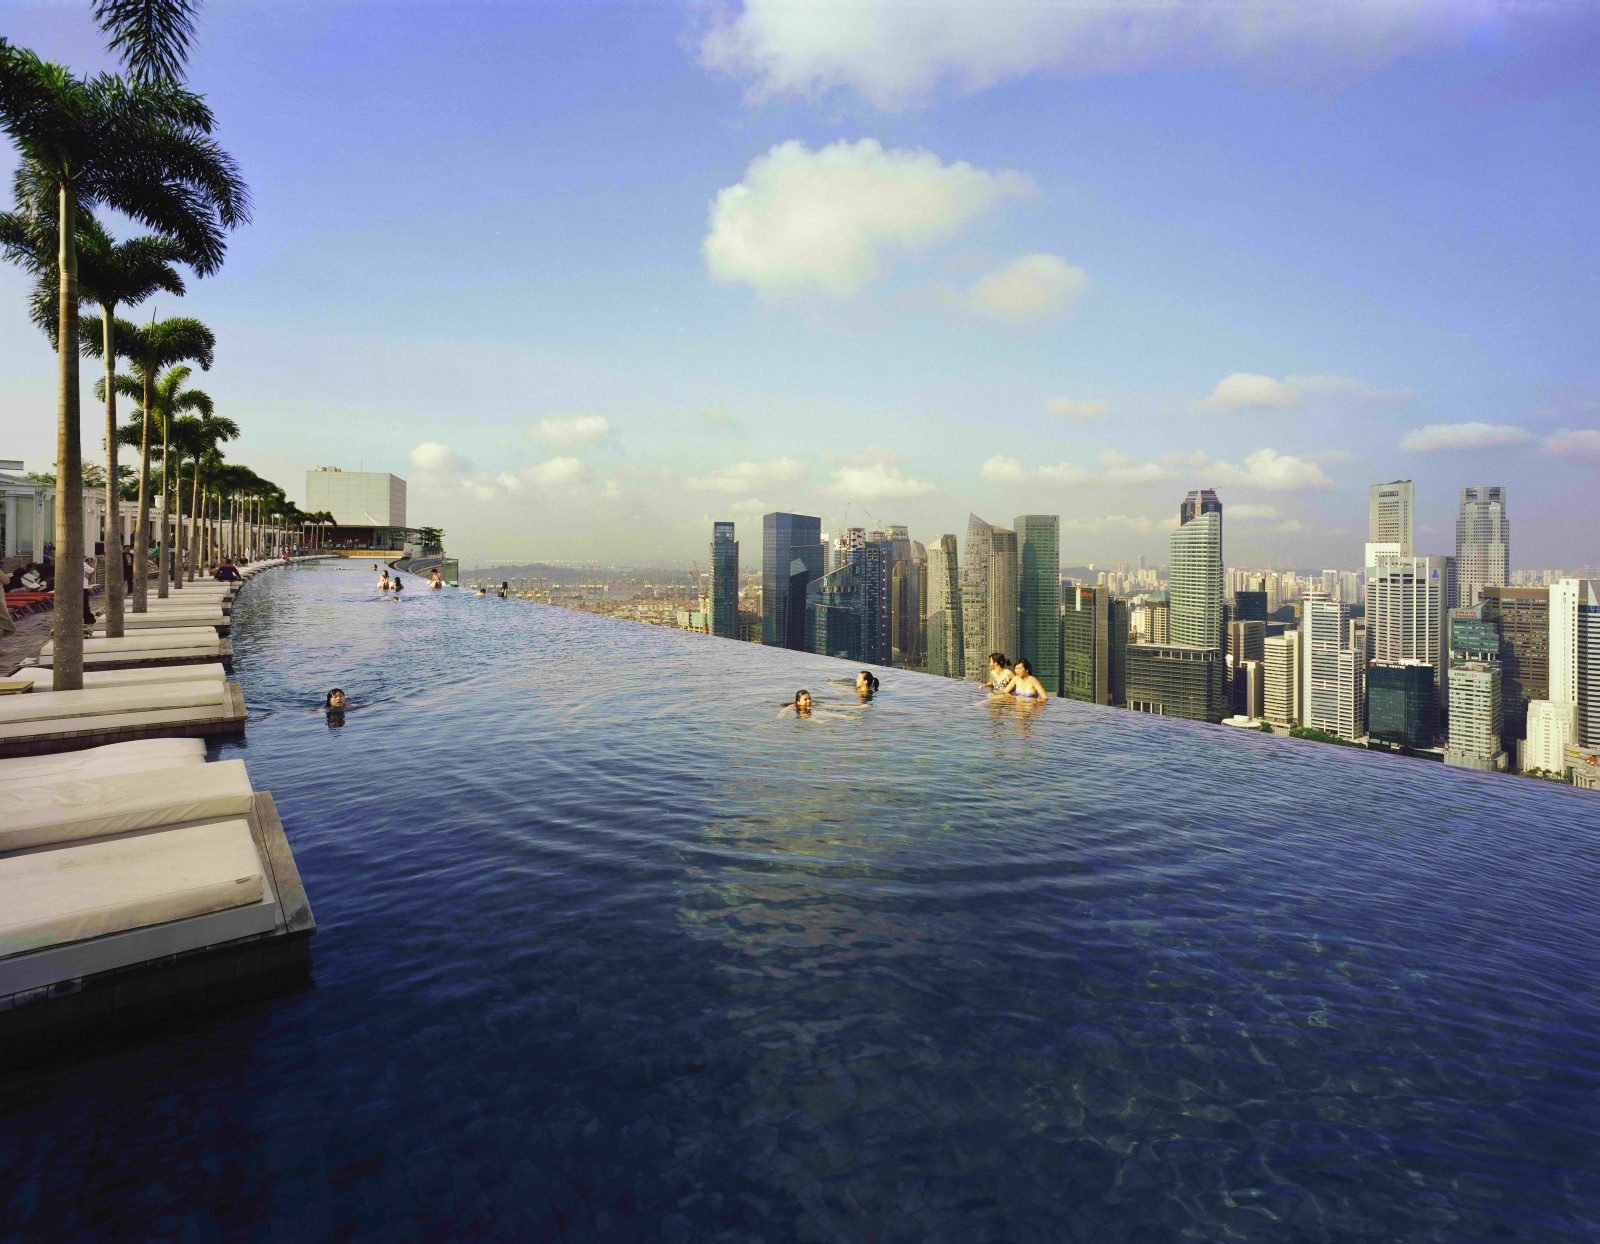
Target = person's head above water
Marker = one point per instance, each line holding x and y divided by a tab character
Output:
866	682
997	660
335	699
802	701
1024	667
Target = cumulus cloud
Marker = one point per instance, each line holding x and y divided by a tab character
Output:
1028	290
1246	512
1269	470
1291	527
571	431
1580	445
831	221
1083	411
1114	522
749	476
434	458
1001	470
1451	436
875	477
1246	391
557	473
750	505
896	54
1265	469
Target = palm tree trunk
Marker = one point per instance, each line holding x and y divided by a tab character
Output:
114	604
141	522
162	580
67	631
194	524
177	525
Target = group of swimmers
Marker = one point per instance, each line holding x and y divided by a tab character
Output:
1005	678
866	686
386	584
503	591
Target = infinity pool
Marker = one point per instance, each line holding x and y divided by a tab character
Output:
610	949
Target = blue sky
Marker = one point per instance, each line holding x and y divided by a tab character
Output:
593	276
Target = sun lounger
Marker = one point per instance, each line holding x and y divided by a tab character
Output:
88	890
93	717
156	637
113	758
41	677
96	701
142	658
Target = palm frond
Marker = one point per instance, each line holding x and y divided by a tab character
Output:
150	36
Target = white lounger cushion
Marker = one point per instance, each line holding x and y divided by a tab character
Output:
96	701
41	677
151	753
62	809
71	893
92	660
165	637
170	619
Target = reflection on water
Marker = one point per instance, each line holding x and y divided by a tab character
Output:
612	949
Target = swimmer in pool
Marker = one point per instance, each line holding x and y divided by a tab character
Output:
802	704
866	684
335	703
999	672
505	590
395	587
436	581
383	583
483	591
1024	685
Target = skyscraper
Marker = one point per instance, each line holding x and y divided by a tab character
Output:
1483	542
877	614
1117	613
1575	654
908	598
1176	680
1329	700
1086	645
1039	597
1407	614
1402	706
791	557
1391	518
849	609
946	654
1523	616
1195	573
988	595
1282	691
724	581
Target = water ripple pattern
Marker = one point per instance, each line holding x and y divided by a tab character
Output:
612	949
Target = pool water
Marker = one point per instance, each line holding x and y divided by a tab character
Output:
612	949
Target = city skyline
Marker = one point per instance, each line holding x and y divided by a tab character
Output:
1097	282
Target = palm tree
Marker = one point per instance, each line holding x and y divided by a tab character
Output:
153	349
110	274
143	149
211	431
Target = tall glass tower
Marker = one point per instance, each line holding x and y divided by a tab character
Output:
1483	543
1039	596
724	581
1195	572
988	595
946	654
791	557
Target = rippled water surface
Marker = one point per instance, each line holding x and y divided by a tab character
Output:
610	949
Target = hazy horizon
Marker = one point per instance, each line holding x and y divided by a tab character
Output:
593	278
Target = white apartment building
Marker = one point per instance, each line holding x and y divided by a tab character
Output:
1475	717
1408	614
1282	681
1331	700
1550	729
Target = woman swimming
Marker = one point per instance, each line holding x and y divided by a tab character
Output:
505	590
383	583
395	586
866	684
1024	685
999	672
802	703
335	702
436	581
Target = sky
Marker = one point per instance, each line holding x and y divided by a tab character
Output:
591	276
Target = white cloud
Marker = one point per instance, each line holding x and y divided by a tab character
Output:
896	54
1248	513
869	480
1001	470
1246	391
1027	290
1581	445
434	458
1121	469
1081	410
1121	522
1269	470
832	220
1292	526
749	476
571	431
1448	436
557	473
750	505
1065	473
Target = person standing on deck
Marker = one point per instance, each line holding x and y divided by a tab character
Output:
88	589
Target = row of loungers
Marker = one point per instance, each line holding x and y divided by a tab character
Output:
135	871
130	869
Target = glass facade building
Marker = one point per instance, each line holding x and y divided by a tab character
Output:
1039	597
791	557
1195	573
1523	616
1086	645
1175	680
1402	707
988	595
724	581
1483	543
946	653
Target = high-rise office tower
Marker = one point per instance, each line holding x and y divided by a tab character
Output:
1575	654
1176	680
988	595
1195	573
724	581
908	598
1406	614
1246	643
1483	542
1086	645
1551	729
1476	722
877	599
1323	631
1282	691
1199	501
946	652
1391	521
1402	707
1523	616
1117	615
791	557
1039	597
1151	622
1250	605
